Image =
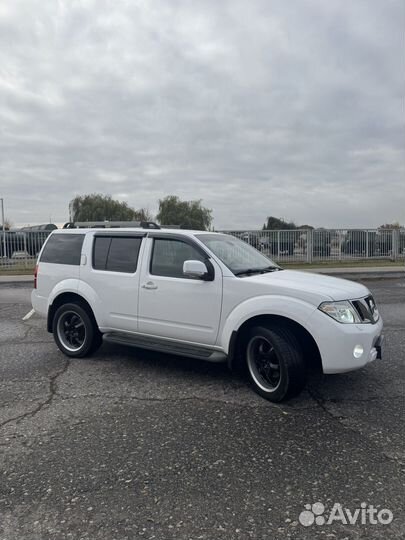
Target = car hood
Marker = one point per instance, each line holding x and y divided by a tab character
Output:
309	286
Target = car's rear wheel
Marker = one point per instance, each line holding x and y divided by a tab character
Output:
75	330
275	363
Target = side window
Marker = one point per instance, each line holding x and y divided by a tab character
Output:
169	255
100	251
63	249
116	254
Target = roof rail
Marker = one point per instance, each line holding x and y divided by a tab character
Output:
149	225
110	224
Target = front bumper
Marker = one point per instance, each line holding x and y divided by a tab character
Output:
336	342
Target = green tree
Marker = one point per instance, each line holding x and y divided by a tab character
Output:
186	214
99	207
273	223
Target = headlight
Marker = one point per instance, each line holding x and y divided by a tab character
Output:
342	312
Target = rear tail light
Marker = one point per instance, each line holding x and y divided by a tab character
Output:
35	276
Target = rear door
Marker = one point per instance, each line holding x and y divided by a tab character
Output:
113	274
171	304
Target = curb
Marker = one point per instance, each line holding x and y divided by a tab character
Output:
16	279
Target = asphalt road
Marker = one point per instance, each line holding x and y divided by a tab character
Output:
131	444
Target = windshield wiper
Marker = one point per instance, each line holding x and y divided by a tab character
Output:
262	270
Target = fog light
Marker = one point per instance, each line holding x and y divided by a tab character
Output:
358	351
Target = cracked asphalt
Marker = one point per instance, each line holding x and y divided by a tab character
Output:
131	444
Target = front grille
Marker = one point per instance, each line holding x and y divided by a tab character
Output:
366	309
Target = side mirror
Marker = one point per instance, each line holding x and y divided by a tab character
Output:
195	269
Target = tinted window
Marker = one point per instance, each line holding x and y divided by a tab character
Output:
63	249
101	247
117	254
169	255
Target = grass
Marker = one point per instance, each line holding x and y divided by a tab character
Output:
364	263
17	270
22	270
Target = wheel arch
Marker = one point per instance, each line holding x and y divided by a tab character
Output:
308	344
65	298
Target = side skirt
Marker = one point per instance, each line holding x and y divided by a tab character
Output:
154	343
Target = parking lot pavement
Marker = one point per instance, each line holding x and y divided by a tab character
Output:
133	444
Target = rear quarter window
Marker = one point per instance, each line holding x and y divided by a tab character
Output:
63	249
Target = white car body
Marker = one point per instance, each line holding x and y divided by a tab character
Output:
206	314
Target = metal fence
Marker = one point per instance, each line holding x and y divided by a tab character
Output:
323	245
20	249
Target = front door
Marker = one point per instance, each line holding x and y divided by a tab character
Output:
171	304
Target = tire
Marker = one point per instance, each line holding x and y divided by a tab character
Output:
75	331
275	362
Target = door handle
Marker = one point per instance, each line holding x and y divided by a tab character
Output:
149	285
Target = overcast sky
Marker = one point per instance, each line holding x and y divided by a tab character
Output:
284	108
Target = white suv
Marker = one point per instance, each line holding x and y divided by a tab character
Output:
202	295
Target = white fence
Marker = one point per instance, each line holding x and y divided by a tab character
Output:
20	249
321	245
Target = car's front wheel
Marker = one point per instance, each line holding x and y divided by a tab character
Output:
75	330
275	362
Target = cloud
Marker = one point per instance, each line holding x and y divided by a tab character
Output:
260	108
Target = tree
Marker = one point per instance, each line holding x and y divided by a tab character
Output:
395	225
274	223
143	215
186	214
99	207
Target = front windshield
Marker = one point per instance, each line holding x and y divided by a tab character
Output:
237	255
